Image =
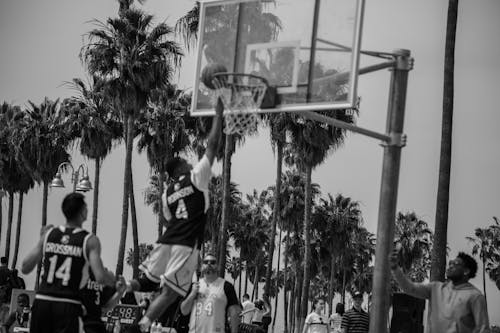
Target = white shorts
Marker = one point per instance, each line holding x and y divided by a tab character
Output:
172	266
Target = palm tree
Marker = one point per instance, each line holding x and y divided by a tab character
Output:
136	58
10	120
43	144
312	143
92	122
415	238
443	194
336	220
486	244
163	133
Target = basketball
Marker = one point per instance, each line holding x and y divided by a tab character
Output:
208	72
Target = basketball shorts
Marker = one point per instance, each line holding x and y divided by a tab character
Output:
56	317
93	325
172	266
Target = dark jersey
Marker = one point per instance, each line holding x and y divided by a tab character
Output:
94	298
65	264
187	206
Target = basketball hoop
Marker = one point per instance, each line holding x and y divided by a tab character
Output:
242	95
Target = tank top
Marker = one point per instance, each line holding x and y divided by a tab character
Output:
187	206
209	309
64	264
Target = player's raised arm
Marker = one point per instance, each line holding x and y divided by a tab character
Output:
102	275
215	133
35	255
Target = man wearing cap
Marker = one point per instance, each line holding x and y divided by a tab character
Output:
356	320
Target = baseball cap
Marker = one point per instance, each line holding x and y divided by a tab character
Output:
357	294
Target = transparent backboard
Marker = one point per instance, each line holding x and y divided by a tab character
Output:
307	49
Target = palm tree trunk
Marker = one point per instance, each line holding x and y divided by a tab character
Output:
277	280
10	217
285	277
44	223
1	211
246	277
135	233
307	247
298	300
239	282
228	152
161	217
330	287
344	282
18	229
95	204
276	215
126	186
484	284
291	305
438	257
255	283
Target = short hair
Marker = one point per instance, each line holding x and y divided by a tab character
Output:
469	262
316	300
173	164
246	296
72	205
340	309
4	260
25	296
209	254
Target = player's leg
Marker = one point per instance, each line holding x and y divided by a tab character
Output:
41	317
68	317
176	281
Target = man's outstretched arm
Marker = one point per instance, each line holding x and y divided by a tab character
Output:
215	133
35	255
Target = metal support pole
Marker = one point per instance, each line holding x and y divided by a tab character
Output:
388	193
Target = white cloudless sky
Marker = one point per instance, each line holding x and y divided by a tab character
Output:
40	42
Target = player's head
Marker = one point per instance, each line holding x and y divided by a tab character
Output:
319	303
209	264
177	166
23	300
463	267
74	207
246	297
3	261
339	308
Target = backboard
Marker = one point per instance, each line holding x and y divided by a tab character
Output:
308	50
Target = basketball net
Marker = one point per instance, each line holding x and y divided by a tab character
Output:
242	95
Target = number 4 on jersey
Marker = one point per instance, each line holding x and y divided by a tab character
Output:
181	212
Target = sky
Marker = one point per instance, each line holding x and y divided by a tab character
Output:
40	42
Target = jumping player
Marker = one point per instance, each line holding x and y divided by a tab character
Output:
174	259
66	253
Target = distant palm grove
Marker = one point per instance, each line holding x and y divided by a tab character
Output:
293	239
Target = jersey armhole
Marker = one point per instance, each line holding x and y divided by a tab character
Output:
45	240
85	240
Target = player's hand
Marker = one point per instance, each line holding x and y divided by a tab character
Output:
121	284
394	257
145	324
195	288
44	229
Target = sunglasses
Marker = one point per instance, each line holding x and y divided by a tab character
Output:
209	262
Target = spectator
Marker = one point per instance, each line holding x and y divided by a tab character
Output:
315	322
248	308
336	318
258	313
356	320
266	317
455	305
20	317
211	301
